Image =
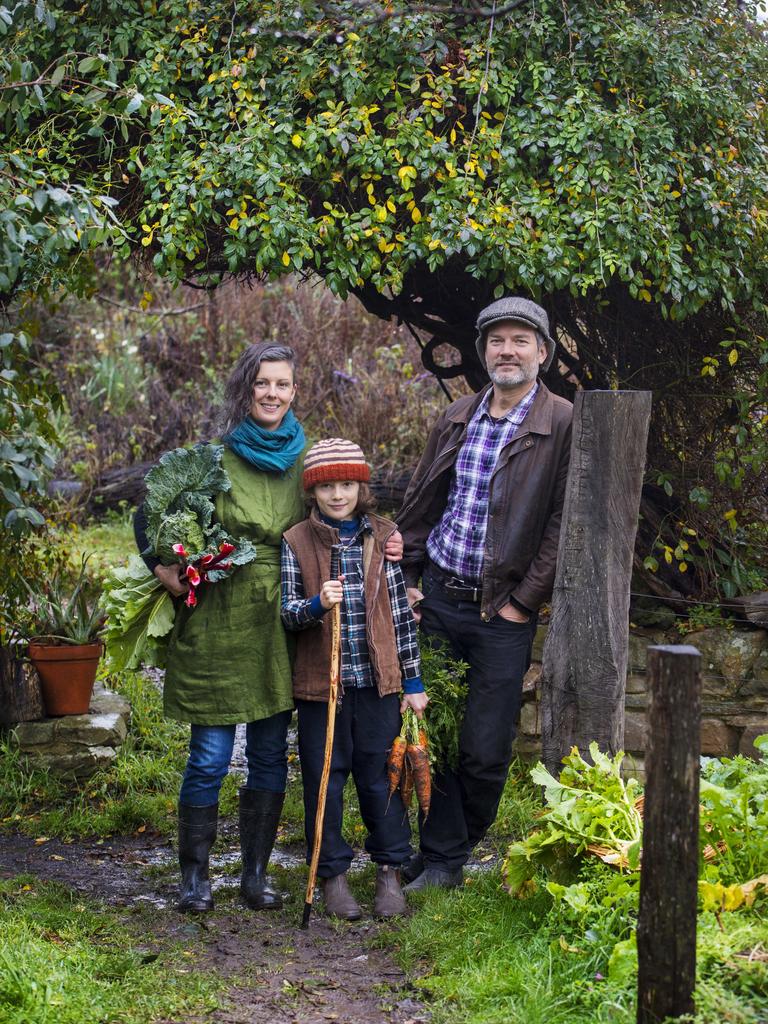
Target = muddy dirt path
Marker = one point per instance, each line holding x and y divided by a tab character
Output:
280	974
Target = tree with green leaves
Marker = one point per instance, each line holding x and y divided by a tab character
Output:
608	160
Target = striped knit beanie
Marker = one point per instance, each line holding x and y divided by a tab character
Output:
334	459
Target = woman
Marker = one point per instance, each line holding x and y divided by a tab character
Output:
228	659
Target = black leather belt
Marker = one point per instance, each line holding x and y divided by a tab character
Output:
458	589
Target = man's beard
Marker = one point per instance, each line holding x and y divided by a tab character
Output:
513	376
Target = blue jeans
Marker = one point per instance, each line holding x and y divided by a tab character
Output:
210	751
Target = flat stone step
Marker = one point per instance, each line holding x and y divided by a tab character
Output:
77	745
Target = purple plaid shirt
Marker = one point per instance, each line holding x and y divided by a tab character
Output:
456	543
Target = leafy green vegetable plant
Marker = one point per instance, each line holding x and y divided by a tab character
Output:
180	508
140	616
734	816
589	808
445	682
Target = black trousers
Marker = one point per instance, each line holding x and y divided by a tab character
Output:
366	724
465	803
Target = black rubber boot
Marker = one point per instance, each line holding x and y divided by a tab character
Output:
260	812
197	833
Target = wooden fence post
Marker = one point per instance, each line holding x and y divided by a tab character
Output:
666	927
585	656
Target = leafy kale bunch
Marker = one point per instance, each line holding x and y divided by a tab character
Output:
179	507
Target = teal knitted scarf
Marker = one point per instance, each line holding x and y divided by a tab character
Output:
272	450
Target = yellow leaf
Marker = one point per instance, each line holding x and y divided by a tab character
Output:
234	223
406	172
733	897
644	294
391	206
381	213
733	356
146	240
731	514
41	839
296	140
452	136
415	215
286	259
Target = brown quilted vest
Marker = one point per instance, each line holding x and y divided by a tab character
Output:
311	543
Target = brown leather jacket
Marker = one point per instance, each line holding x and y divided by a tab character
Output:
525	502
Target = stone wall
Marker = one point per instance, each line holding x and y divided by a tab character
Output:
734	692
77	745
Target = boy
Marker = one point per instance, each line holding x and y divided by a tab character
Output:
379	657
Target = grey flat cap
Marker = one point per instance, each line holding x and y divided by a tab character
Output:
513	307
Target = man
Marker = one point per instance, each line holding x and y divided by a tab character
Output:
480	523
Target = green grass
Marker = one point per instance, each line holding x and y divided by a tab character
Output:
140	788
108	542
520	803
486	958
66	961
483	957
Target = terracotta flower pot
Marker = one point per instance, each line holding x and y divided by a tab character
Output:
67	674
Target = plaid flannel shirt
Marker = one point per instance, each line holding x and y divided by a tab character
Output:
300	612
457	541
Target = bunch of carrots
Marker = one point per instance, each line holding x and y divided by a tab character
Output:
408	763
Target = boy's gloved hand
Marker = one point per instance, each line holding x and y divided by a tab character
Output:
331	593
417	701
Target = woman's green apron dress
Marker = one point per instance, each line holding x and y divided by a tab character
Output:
228	658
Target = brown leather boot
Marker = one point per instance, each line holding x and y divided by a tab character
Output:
389	900
339	901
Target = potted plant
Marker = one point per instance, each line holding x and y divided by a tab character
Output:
64	643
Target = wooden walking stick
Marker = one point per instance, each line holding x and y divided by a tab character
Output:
333	699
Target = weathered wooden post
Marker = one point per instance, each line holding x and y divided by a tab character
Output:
585	656
21	699
666	927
